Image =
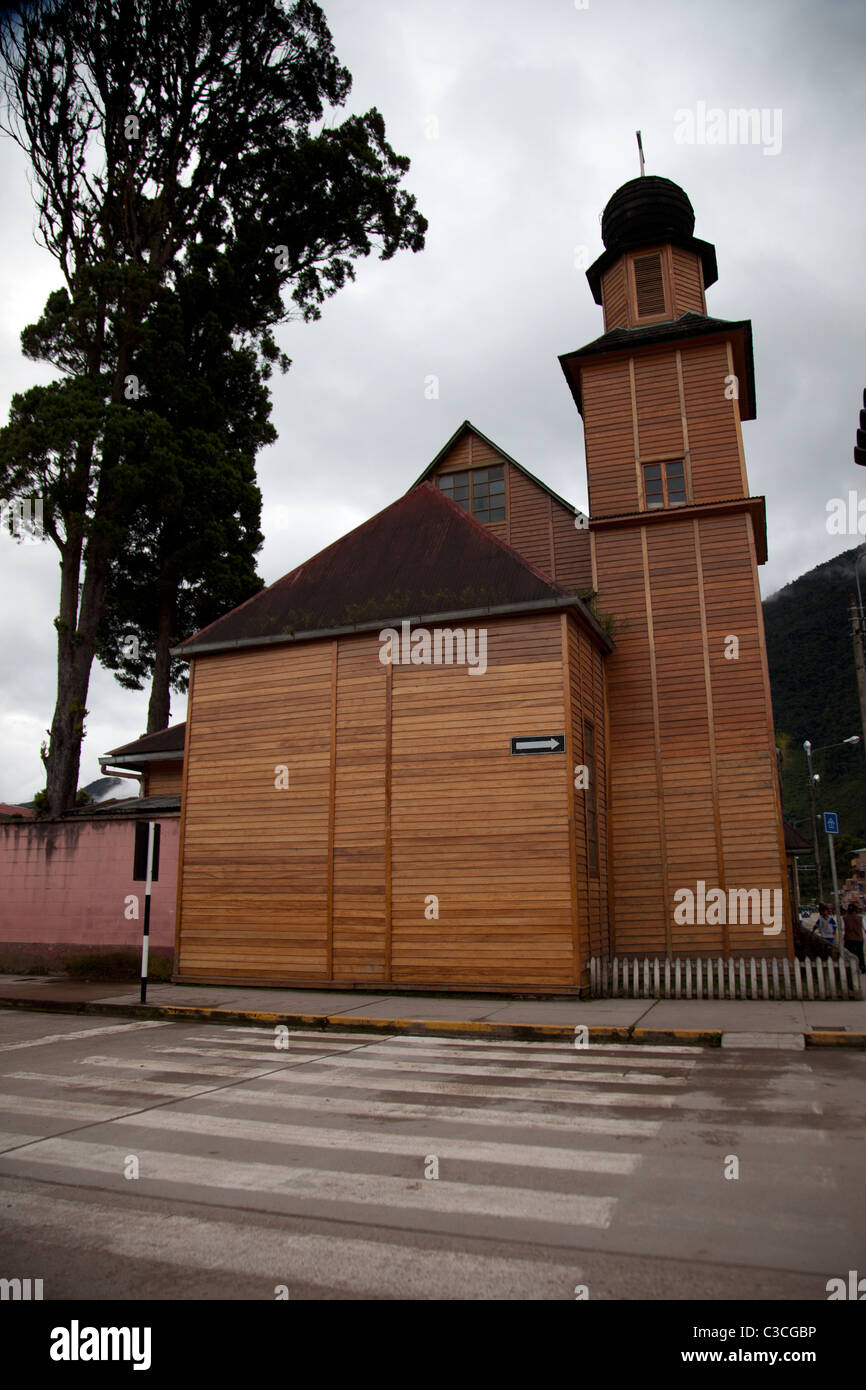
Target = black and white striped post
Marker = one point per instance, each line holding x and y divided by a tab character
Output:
146	867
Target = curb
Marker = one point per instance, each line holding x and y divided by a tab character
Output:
457	1028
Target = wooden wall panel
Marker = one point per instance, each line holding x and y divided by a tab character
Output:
748	787
255	867
277	889
530	528
615	297
572	560
588	705
163	779
609	439
360	812
482	830
660	428
688	282
716	461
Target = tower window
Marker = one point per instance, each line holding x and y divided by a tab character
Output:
664	484
649	285
480	490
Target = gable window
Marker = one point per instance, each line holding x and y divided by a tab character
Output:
591	804
664	484
649	285
480	490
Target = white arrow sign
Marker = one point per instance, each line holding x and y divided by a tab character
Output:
554	744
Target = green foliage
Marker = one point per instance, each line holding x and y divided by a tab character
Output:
814	689
195	190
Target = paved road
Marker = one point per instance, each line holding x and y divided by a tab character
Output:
260	1167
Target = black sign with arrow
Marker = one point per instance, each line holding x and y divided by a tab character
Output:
539	743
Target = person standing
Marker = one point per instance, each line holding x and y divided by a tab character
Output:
825	926
853	920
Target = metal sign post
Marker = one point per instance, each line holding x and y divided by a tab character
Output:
831	825
146	866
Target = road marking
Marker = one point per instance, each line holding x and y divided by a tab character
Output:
374	1142
85	1033
299	1185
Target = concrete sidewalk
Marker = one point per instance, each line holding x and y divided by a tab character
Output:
713	1023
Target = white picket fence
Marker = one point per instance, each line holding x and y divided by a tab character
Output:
744	978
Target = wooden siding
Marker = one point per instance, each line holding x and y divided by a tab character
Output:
610	440
586	672
163	779
717	468
254	891
659	418
615	297
688	282
402	785
693	792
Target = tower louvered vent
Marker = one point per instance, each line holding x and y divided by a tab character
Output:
649	285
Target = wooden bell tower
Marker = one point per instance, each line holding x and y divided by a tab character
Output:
676	540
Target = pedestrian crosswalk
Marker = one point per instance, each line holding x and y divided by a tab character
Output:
541	1145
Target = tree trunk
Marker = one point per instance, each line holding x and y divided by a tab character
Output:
159	709
76	642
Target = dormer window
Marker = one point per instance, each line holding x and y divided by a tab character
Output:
480	490
664	484
649	285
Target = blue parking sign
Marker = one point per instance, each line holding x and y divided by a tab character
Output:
831	822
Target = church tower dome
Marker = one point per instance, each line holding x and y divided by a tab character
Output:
653	267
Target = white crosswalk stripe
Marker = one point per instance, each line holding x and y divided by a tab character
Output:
343	1126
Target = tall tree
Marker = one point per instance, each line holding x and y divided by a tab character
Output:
166	138
196	526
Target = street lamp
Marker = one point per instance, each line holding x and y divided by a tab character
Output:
813	778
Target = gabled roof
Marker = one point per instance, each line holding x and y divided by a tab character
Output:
165	743
464	429
423	557
688	325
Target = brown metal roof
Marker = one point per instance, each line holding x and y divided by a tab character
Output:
421	557
163	741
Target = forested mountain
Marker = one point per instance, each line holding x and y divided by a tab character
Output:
814	686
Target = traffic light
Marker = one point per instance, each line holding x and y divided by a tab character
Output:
860	446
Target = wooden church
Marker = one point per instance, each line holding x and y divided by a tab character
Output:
482	738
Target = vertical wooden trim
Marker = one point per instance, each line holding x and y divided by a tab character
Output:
389	685
508	472
182	829
711	730
635	432
771	736
663	844
571	754
332	803
592	561
609	918
668	280
552	570
736	408
687	457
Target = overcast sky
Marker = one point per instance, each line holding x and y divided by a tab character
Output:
519	119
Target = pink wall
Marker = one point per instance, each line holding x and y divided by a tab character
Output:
65	884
